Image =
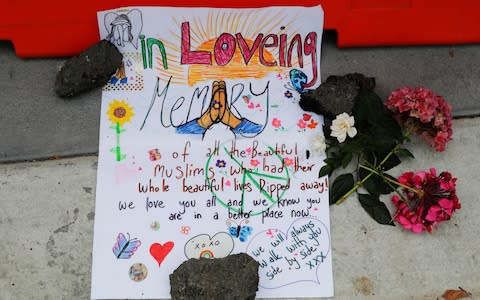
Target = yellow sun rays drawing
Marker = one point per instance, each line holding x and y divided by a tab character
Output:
203	35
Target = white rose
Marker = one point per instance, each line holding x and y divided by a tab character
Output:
317	143
343	125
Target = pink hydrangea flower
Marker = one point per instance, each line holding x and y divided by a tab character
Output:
426	113
435	200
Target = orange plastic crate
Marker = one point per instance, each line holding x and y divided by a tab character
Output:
61	28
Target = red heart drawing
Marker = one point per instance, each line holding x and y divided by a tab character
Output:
159	251
306	117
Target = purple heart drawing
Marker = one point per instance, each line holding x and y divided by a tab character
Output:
298	255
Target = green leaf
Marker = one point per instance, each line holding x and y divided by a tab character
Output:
402	152
391	162
375	185
380	130
341	185
325	170
347	158
376	209
327	122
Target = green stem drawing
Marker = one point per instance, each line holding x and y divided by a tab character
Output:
117	150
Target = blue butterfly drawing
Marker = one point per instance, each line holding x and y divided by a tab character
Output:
238	230
298	79
125	247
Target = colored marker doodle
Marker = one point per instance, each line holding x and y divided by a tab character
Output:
185	230
119	113
155	225
202	245
159	251
154	154
239	231
124	248
124	174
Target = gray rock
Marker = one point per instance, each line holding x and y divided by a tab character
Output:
234	277
336	95
88	70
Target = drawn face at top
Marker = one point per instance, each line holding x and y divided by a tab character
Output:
121	30
298	79
124	28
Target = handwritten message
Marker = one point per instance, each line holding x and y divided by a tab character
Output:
293	256
204	150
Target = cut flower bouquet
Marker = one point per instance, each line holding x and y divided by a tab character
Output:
373	134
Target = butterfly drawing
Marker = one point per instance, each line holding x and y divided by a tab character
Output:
238	230
298	80
125	247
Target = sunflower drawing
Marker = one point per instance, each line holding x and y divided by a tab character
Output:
119	113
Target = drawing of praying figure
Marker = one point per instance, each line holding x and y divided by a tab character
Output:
120	75
220	112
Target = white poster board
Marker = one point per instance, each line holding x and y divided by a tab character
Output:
204	150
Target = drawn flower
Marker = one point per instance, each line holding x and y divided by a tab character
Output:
221	163
288	161
185	230
276	122
254	162
216	105
288	94
301	124
343	125
318	145
434	201
155	225
119	112
425	113
313	124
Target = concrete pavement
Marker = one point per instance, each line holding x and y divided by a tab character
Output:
47	212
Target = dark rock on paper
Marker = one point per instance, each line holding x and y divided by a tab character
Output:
90	69
336	95
234	277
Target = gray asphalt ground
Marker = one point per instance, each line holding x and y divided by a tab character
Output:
47	208
36	124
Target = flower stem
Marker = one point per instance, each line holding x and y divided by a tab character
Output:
360	183
355	187
389	179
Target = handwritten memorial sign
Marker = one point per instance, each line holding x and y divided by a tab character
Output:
204	151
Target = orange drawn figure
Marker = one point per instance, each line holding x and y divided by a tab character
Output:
219	112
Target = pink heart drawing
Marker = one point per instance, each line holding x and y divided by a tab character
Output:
251	105
300	254
123	174
159	251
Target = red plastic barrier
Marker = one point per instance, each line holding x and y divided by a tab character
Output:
61	28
